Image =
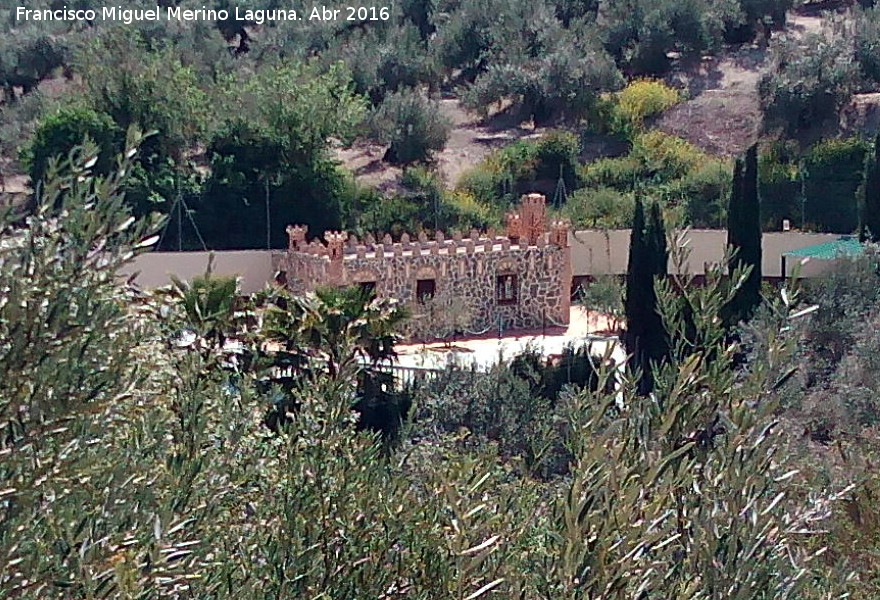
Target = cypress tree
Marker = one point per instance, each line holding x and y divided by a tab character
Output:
658	348
645	337
744	236
656	229
869	228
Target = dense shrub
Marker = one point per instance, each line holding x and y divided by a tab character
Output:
810	80
866	38
60	132
556	155
756	16
846	297
412	125
423	203
833	174
671	170
780	181
640	100
621	173
641	34
248	171
665	156
655	156
702	194
32	55
514	169
602	207
383	61
546	71
466	212
605	294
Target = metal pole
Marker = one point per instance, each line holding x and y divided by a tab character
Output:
268	219
179	224
803	197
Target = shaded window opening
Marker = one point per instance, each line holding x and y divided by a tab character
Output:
368	288
506	289
425	290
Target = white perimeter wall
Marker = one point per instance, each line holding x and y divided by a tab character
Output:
254	267
596	252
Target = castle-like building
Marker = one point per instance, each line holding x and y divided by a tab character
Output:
519	280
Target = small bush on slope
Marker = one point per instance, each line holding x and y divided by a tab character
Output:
640	100
412	125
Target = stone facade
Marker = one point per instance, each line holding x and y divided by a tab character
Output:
520	280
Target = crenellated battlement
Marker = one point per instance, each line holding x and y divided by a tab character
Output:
343	247
525	228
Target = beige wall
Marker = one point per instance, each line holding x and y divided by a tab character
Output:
595	252
254	267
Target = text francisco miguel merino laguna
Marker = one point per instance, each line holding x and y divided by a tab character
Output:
131	15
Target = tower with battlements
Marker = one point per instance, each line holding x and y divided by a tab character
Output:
514	281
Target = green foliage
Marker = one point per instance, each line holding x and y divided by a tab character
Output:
209	305
29	56
781	183
423	204
833	174
846	298
152	90
810	81
623	173
703	192
441	317
499	407
347	325
17	123
671	170
387	60
60	132
546	71
604	207
69	260
773	11
665	156
604	294
655	157
514	169
412	125
299	104
640	100
869	223
273	149
469	213
640	34
421	14
866	38
556	155
252	165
